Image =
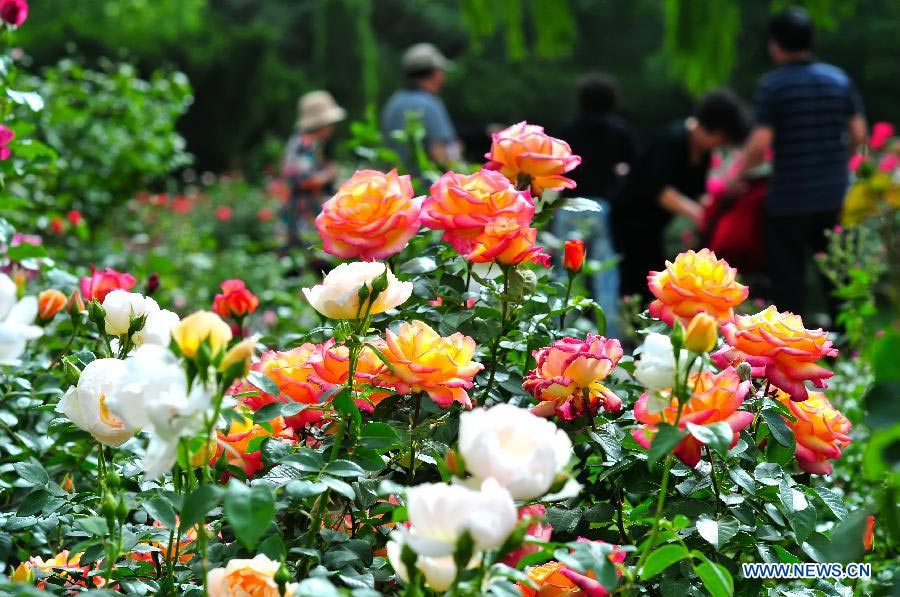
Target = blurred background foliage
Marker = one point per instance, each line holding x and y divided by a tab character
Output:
248	61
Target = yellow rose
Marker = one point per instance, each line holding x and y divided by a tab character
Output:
240	352
197	327
701	333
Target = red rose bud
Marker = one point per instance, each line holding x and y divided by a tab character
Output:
75	304
74	217
13	12
573	259
57	226
235	301
869	535
49	304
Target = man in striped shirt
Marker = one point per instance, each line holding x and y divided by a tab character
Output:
810	114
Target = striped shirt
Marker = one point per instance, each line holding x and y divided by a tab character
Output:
808	105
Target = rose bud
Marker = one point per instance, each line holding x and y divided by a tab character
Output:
701	333
75	304
49	304
573	259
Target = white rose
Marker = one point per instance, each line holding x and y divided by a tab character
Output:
439	572
16	322
522	452
656	367
85	404
157	329
154	396
121	306
337	296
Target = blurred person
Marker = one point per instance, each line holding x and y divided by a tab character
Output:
670	179
309	175
424	67
806	111
605	143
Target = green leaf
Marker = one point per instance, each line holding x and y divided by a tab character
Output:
580	204
344	468
664	442
803	522
378	436
778	428
418	265
249	511
32	472
661	558
264	383
716	579
303	488
25	251
717	532
339	486
717	436
743	479
160	510
267	412
563	519
833	501
26	98
197	504
93	525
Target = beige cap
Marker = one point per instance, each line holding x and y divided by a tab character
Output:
424	57
318	109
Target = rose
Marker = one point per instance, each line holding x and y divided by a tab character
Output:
331	365
239	357
122	306
235	301
75	304
821	432
338	296
16	321
372	216
524	152
573	255
655	370
464	205
507	242
701	334
241	578
567	377
779	348
522	452
157	328
696	282
6	136
13	12
199	327
99	284
538	529
715	398
439	513
85	403
423	361
555	579
154	396
235	445
881	133
50	302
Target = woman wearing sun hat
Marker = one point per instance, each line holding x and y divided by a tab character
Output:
304	168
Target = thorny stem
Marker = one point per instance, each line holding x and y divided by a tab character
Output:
712	476
504	308
412	441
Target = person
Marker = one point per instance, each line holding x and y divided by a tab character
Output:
425	68
668	179
304	167
605	143
805	110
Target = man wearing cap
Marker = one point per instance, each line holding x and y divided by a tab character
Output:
304	167
424	67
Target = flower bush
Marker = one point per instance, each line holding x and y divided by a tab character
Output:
432	415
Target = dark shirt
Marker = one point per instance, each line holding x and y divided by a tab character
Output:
808	105
666	163
603	142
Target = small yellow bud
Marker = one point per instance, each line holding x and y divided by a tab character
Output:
240	352
197	327
23	573
701	333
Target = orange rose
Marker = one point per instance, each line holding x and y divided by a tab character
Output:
423	361
779	348
63	565
75	303
254	577
372	216
235	301
573	258
715	398
331	365
464	205
821	432
50	302
524	152
235	445
555	579
570	368
696	282
505	241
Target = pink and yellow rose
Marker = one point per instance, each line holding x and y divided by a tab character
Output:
821	431
372	216
100	283
235	446
778	347
424	361
243	578
696	282
568	377
504	241
524	152
715	398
